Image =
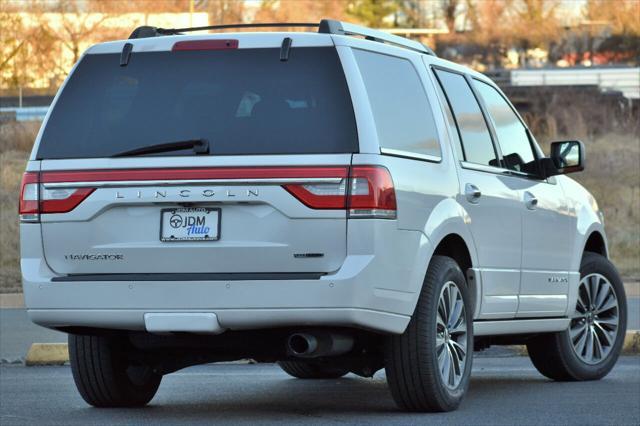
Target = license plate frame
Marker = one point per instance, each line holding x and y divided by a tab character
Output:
190	212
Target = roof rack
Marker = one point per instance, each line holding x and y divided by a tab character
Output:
329	26
326	26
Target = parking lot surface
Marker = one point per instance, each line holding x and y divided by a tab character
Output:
504	391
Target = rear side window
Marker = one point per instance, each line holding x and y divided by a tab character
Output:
473	131
242	101
512	135
401	109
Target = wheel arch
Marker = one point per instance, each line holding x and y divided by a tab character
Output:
455	247
596	243
455	243
448	234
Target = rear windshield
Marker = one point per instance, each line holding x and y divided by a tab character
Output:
242	101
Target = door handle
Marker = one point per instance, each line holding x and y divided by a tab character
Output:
472	193
530	200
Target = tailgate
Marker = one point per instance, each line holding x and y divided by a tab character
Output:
152	219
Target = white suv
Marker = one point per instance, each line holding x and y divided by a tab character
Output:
340	201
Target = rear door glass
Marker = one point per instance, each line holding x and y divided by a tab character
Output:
473	131
242	101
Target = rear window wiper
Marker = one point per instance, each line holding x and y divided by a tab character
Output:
199	146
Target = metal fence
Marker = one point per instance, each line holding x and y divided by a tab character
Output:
624	80
24	113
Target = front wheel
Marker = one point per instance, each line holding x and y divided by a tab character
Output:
429	365
589	349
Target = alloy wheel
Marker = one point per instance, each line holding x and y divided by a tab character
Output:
594	324
451	335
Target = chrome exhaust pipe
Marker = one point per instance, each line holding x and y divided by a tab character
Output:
317	344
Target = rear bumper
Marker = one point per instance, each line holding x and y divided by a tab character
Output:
376	288
228	319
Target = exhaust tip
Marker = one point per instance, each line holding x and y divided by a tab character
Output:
302	344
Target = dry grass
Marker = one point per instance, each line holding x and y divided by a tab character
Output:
612	175
18	136
12	164
16	140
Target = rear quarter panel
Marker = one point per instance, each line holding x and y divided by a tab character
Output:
426	191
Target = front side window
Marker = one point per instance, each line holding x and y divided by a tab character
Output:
512	135
404	120
473	131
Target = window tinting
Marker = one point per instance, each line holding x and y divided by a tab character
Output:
404	119
243	101
475	136
453	132
512	135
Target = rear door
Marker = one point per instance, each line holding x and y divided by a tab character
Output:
263	191
490	197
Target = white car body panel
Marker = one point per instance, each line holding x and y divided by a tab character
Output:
525	262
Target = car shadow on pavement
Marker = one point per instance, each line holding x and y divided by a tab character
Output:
350	397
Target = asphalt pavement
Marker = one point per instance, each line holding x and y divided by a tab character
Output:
17	333
503	391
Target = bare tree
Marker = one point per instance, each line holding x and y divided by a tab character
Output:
300	10
488	27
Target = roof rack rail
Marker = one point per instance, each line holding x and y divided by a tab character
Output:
326	26
146	31
329	26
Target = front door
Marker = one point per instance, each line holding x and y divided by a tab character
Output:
548	236
548	230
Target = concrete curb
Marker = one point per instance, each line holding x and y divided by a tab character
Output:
11	300
58	353
631	343
47	354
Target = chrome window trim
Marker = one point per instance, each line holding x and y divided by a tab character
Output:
484	168
411	155
501	171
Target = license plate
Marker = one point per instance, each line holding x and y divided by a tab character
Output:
190	224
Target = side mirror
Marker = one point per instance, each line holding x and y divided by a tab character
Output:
566	157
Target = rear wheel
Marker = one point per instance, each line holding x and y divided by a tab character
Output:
429	365
104	375
311	370
589	349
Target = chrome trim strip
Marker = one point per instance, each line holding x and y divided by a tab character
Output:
192	182
498	171
524	326
412	155
483	168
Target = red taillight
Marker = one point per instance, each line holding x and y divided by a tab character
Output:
29	198
35	199
330	196
62	200
371	193
205	45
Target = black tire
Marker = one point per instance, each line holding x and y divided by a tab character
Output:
103	375
411	359
553	354
311	370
